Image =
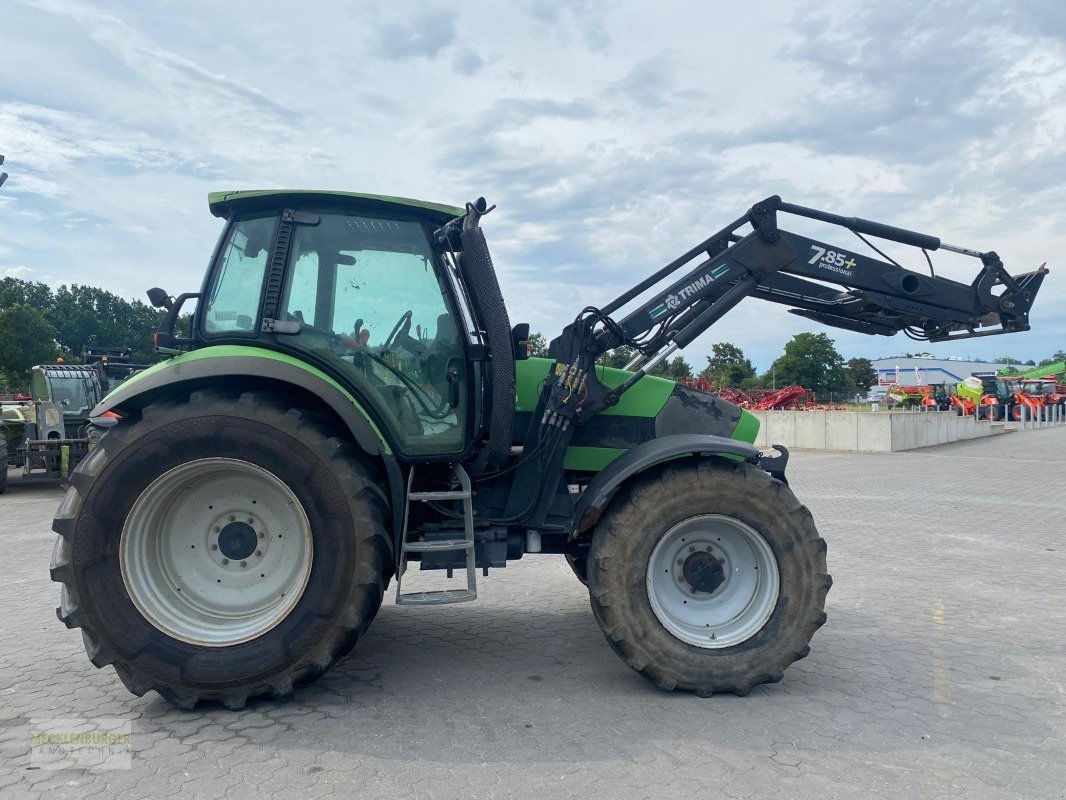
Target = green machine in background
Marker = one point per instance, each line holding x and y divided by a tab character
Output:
48	435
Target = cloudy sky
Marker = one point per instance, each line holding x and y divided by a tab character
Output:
613	135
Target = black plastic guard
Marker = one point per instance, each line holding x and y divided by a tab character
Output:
602	488
485	294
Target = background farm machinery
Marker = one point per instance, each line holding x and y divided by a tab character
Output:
47	434
787	398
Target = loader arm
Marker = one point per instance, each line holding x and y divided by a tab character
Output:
754	257
751	257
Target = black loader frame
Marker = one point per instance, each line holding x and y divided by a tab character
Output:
766	262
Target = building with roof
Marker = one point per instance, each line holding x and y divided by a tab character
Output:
926	370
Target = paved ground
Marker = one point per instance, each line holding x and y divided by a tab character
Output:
941	672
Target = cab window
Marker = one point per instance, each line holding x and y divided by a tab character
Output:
373	305
233	300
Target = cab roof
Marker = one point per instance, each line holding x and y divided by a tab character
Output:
222	203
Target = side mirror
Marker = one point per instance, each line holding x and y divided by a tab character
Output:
159	298
164	338
520	341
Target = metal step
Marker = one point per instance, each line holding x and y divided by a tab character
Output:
439	496
444	596
436	598
437	545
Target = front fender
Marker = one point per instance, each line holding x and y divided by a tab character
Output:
235	361
211	364
601	489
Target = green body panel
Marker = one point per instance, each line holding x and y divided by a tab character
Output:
645	399
747	429
243	351
590	459
220	201
39	385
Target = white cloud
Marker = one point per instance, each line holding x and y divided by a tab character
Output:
22	272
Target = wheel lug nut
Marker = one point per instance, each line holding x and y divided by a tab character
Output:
232	518
214	547
262	535
225	561
244	563
259	553
681	578
681	562
250	520
215	529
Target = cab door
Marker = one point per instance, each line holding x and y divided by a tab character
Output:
375	310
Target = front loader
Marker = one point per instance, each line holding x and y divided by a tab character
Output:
352	401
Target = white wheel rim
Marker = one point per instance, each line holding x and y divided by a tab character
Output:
713	581
216	552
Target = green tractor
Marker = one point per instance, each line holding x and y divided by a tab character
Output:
49	434
353	400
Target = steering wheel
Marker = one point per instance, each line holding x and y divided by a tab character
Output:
401	328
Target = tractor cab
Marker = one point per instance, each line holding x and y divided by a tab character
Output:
1046	388
72	387
356	287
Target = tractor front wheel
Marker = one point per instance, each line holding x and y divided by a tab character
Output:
221	546
708	577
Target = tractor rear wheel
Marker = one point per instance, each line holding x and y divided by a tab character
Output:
708	576
221	546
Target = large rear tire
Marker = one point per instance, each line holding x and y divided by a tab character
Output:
221	546
708	577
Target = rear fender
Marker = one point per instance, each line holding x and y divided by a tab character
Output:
263	369
596	497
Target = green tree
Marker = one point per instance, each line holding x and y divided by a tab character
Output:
538	345
811	360
860	374
618	357
727	366
1007	360
674	369
14	291
86	316
26	339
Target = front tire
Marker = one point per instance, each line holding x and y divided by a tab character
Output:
708	577
221	546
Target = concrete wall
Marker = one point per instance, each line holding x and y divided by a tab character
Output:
868	431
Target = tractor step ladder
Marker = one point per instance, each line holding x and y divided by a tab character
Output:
443	596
